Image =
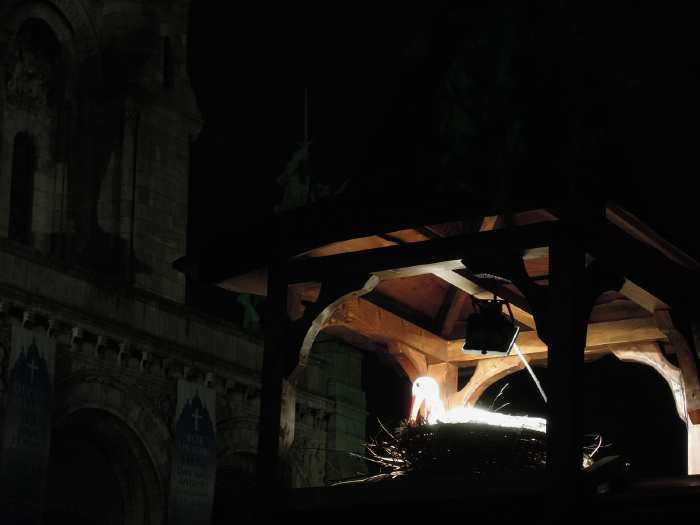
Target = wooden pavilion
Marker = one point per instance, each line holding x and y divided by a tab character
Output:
580	288
488	162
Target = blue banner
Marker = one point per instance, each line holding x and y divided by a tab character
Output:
27	426
193	474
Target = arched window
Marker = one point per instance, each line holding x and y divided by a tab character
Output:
22	190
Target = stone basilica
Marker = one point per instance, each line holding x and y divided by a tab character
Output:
97	120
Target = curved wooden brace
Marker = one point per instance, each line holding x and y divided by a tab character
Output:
650	354
487	372
304	331
412	362
686	361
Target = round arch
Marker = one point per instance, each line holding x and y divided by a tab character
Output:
74	66
125	432
639	421
68	20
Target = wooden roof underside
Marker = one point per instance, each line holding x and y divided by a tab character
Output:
422	309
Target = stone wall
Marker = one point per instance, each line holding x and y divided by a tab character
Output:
109	215
334	373
134	346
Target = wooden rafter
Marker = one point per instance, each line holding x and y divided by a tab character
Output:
643	298
520	311
455	303
385	327
419	253
642	264
489	223
371	321
599	336
637	229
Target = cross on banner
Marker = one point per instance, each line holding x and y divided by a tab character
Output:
196	416
193	466
32	369
25	434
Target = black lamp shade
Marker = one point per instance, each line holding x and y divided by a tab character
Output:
489	332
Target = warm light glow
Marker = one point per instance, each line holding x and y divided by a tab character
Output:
426	390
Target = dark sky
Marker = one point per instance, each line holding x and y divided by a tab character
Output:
249	67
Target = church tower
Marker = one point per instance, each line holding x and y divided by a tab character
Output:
97	119
98	116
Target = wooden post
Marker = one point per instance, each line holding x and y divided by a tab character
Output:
272	378
693	449
691	385
446	376
568	321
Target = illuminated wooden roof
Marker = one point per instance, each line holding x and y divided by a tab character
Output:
418	312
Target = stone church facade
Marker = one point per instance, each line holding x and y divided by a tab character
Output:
96	122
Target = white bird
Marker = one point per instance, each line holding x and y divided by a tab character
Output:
426	390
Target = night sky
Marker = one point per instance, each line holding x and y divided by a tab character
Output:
249	68
638	67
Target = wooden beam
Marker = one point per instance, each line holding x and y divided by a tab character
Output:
420	269
253	282
402	310
489	223
459	281
637	229
420	253
540	252
456	301
372	322
617	310
412	362
643	298
642	264
347	246
599	335
467	285
489	287
624	332
382	326
331	221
